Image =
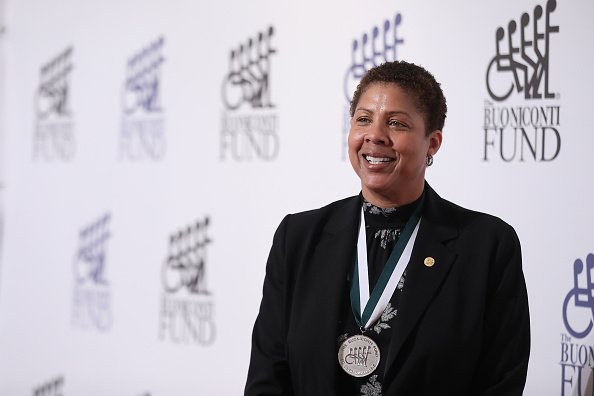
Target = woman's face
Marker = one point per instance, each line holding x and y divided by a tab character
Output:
388	145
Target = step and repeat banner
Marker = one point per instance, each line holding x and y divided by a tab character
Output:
151	149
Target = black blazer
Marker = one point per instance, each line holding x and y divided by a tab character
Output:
462	326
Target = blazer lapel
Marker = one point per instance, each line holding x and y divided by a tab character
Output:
422	281
336	254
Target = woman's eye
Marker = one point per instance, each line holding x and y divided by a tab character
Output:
395	123
363	119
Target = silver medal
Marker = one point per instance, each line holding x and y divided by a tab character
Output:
359	355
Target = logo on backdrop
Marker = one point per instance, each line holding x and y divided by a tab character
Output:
53	387
91	301
142	135
577	353
54	126
249	127
187	305
368	51
522	114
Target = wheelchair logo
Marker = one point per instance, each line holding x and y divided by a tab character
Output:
248	80
89	263
142	89
524	66
372	50
580	299
185	266
53	95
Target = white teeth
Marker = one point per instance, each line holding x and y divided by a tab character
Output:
377	160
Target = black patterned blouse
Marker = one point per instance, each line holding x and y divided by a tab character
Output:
383	227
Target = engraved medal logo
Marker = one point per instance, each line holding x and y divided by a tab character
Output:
359	356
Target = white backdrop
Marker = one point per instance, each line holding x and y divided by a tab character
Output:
139	207
1	130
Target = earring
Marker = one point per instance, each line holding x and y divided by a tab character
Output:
429	160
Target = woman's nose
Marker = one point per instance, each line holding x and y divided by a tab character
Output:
377	134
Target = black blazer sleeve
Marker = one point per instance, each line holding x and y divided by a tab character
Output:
506	345
269	371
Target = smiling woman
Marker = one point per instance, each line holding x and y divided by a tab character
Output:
394	291
388	145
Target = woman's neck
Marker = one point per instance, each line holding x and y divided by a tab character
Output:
392	200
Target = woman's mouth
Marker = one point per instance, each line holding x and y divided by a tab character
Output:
377	160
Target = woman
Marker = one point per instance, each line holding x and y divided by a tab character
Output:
395	291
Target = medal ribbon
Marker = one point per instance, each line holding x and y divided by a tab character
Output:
373	306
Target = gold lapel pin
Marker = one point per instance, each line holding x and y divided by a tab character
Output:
429	261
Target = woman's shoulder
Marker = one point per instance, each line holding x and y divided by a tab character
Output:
332	215
333	207
469	219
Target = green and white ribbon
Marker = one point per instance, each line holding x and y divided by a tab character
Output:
373	306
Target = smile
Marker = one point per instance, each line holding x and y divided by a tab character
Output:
377	160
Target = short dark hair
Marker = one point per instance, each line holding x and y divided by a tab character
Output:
416	81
